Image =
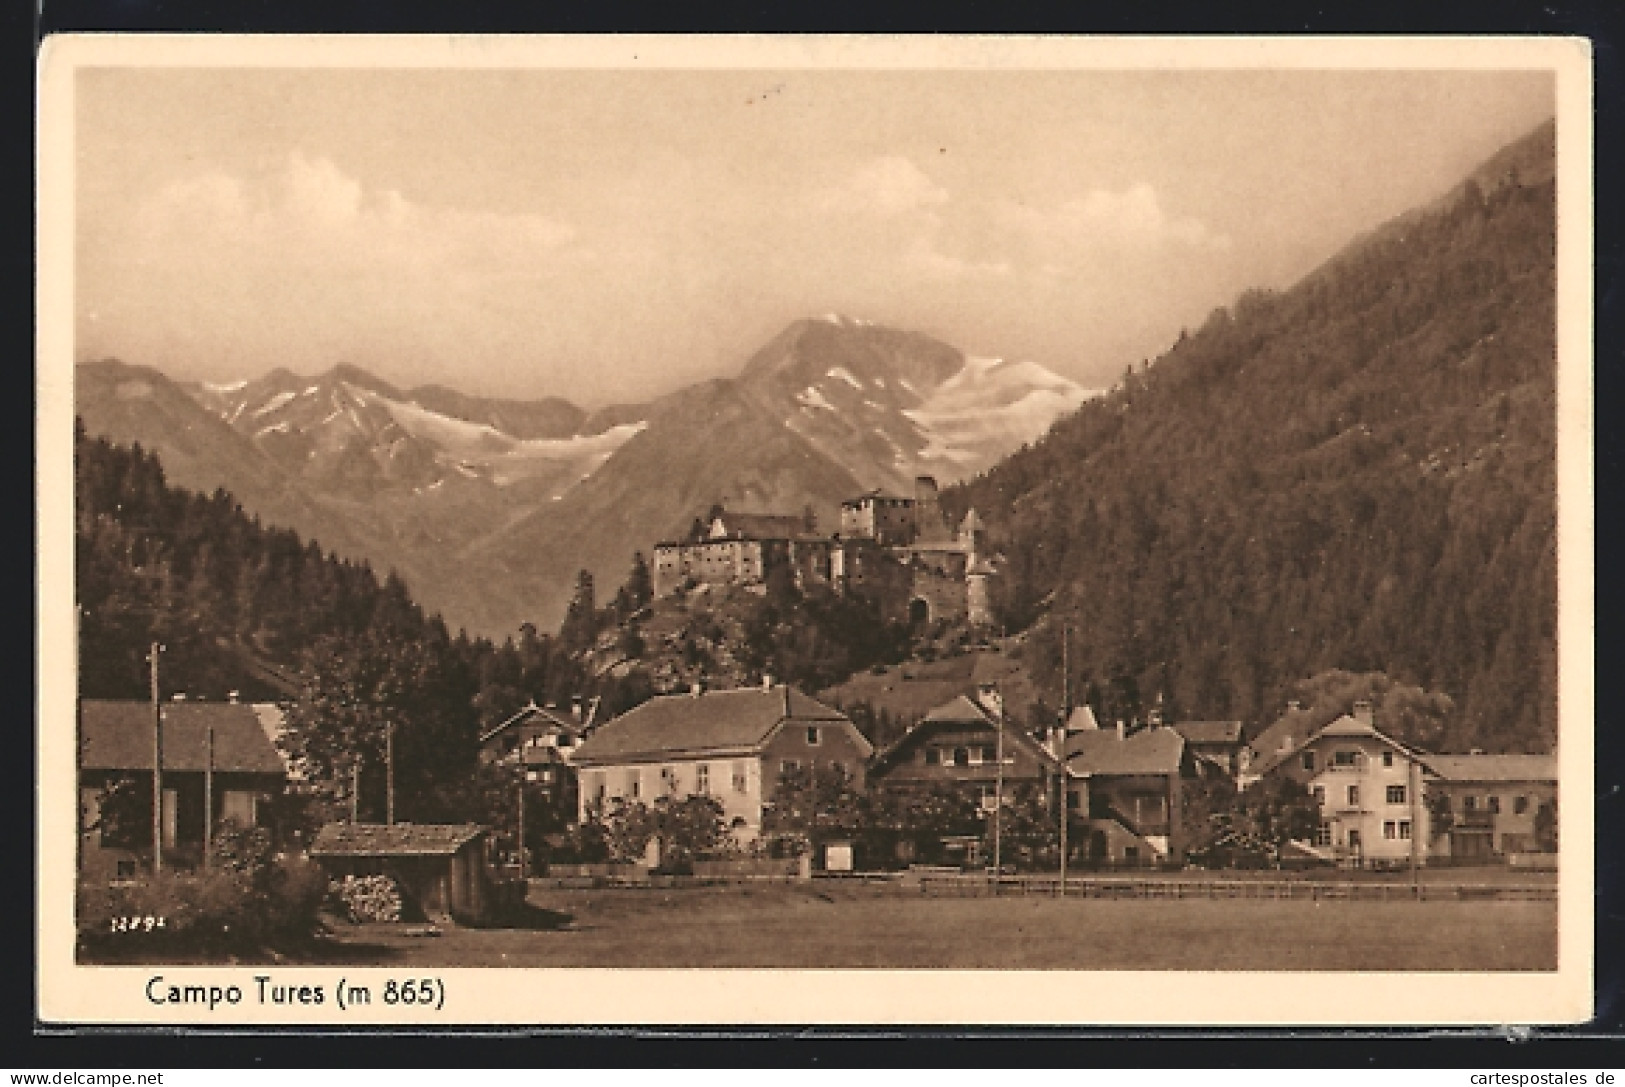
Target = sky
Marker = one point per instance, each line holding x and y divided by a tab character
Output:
610	235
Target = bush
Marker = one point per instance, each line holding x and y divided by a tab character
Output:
220	910
368	898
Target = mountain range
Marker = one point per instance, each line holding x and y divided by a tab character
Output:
489	507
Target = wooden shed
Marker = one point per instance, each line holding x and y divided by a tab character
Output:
440	867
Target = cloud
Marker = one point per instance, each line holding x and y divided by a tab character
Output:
312	216
1133	218
891	185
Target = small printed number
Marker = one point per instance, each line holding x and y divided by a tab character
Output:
135	924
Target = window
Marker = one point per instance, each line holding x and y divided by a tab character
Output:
933	756
987	797
1320	794
1072	799
961	756
789	766
1495	805
1345	758
1469	803
702	779
1390	830
1308	760
1354	796
976	756
1387	759
741	778
1405	830
990	753
668	779
812	735
634	784
599	787
1323	836
1396	794
1520	805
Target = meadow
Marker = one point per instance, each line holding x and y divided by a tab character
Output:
871	926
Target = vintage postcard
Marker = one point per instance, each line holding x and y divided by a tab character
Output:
641	530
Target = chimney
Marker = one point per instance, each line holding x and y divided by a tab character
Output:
767	681
232	696
695	688
1293	706
575	708
1362	712
1121	729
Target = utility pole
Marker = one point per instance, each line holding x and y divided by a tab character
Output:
157	766
1415	782
1060	743
522	871
355	789
998	794
208	794
389	773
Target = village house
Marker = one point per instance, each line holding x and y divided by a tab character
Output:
957	743
540	742
439	868
1492	806
731	745
1369	787
1127	788
218	757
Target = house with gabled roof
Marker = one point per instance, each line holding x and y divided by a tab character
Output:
1129	788
731	745
1369	786
957	744
219	755
1490	806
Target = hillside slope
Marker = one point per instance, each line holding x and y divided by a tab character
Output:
1355	473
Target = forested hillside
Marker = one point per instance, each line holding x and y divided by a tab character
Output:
1355	473
241	607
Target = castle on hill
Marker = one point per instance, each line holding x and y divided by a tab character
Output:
899	550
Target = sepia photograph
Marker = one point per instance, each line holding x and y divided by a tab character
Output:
1100	522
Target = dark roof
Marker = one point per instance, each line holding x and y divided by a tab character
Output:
400	840
876	493
1493	767
533	714
118	736
1341	726
763	526
960	710
1285	736
1149	751
1209	732
690	725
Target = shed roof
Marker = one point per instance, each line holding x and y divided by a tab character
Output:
117	735
1209	732
689	725
1493	767
1149	751
398	840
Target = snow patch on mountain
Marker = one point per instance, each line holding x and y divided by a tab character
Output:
845	375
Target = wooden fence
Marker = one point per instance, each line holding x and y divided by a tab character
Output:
1316	890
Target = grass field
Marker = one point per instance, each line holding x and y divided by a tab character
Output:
869	926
